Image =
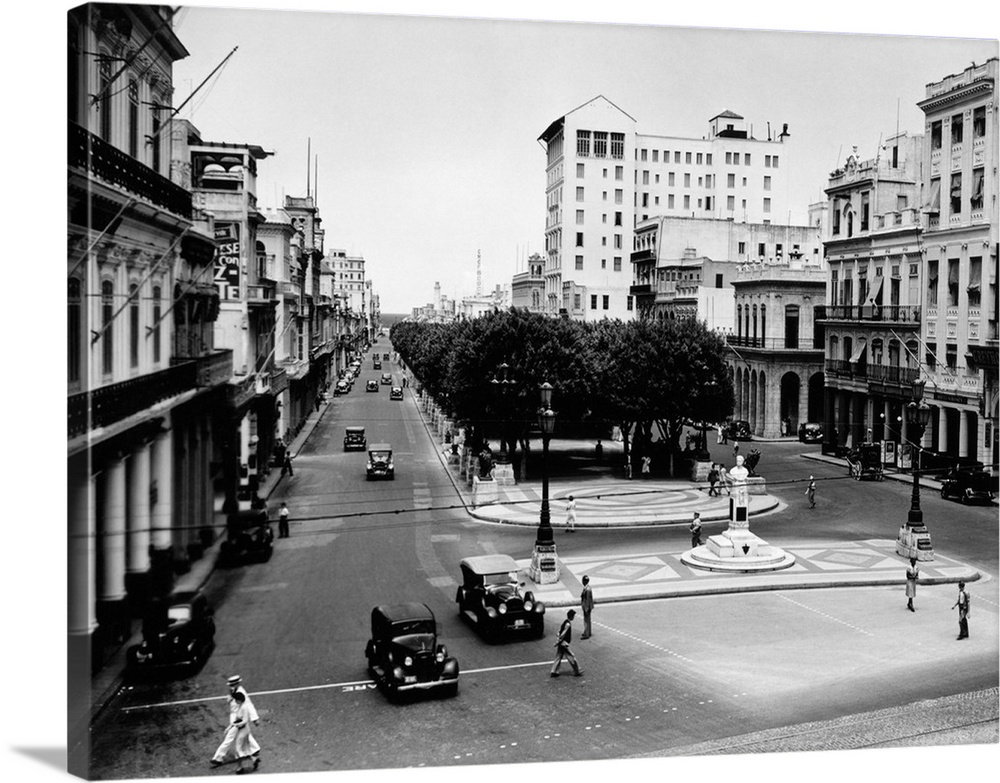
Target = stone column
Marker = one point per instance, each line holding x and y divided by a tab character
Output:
963	433
112	587
137	559
82	551
162	502
942	441
889	428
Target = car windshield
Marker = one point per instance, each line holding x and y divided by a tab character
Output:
179	613
380	456
504	578
412	627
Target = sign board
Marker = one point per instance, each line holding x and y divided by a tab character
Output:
227	260
888	452
905	456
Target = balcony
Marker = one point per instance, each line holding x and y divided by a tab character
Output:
107	163
262	294
876	373
771	343
898	314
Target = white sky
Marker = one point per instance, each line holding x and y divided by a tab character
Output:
425	128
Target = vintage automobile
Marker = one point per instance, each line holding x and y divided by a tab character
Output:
811	432
377	364
380	463
371	386
249	538
969	486
491	597
387	378
865	461
403	652
178	635
396	393
739	430
342	387
354	439
385	356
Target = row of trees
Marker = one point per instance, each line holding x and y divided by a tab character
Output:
637	375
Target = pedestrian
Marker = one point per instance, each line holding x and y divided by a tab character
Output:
736	450
725	433
912	574
246	745
587	605
562	647
719	439
286	465
628	468
233	746
283	521
646	462
696	530
723	479
571	515
963	611
599	450
811	492
713	479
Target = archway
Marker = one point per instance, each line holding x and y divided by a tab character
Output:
814	403
788	407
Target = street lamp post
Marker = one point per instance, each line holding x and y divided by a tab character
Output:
544	563
914	541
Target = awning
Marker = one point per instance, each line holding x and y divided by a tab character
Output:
933	201
875	292
858	352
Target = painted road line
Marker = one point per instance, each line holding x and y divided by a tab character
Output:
346	686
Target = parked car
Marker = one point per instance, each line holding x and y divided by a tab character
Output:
969	486
377	364
396	393
385	356
811	432
342	387
387	378
492	598
249	538
739	430
178	635
380	463
354	439
371	386
865	461
403	652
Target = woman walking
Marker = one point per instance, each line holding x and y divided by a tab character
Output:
246	745
571	515
912	574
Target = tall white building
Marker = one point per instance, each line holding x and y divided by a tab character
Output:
603	177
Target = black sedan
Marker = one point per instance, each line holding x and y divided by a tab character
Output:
404	654
491	597
178	635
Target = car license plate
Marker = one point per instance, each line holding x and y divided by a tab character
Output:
519	623
410	678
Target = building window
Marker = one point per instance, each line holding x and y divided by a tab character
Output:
579	239
729	158
742	246
593	301
579	217
791	326
579	194
74	324
107	333
767	183
576	301
604	263
154	140
670	201
618	195
645	178
600	144
951	356
708	158
618	218
708	203
731	180
865	205
932	283
618	264
975	280
583	144
718	280
746	159
579	169
687	157
956	193
976	200
133	325
952	282
767	205
687	202
628	303
671	179
677	156
936	135
687	180
767	161
618	241
956	129
157	311
643	155
930	359
645	200
619	173
579	262
104	90
133	118
774	161
618	145
979	122
731	203
605	302
761	250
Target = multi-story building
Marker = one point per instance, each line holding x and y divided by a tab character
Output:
776	354
527	289
603	178
146	384
959	292
349	291
873	311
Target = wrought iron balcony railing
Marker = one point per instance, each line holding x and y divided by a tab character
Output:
901	314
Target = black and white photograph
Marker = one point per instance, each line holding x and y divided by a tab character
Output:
471	391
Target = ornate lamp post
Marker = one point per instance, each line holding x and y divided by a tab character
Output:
914	540
544	563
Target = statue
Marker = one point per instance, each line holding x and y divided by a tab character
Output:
751	461
486	462
738	477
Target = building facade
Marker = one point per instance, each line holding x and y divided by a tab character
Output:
603	179
959	330
527	289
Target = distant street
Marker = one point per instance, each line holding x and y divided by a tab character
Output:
660	676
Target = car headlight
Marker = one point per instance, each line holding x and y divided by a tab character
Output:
502	608
527	606
408	661
440	657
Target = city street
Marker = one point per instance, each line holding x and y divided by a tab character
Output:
660	676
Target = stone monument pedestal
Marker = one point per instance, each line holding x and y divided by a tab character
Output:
484	491
503	474
914	542
544	568
700	469
756	485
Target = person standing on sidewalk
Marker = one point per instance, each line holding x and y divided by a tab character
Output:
286	465
283	521
713	479
646	462
571	515
811	492
587	606
696	530
228	750
912	574
562	646
963	611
